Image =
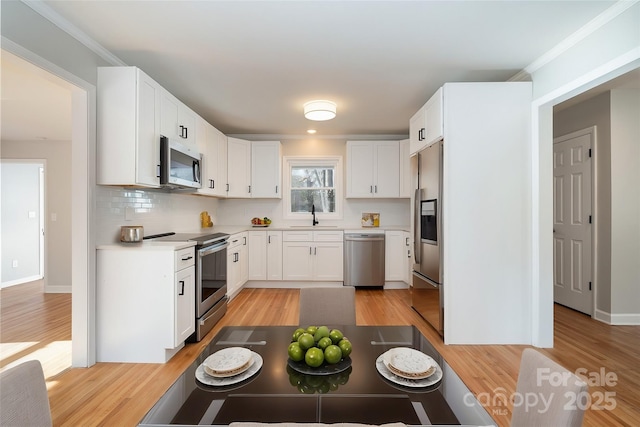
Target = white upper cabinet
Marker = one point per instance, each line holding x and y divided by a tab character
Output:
213	145
177	120
405	169
128	127
266	169
426	126
238	168
373	169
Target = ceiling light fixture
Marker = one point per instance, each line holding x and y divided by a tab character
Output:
311	131
320	110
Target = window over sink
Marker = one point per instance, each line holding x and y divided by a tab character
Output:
313	182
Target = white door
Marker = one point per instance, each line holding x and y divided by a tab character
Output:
572	255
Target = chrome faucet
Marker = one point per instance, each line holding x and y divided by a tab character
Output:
313	212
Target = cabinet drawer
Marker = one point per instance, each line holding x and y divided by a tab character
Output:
185	258
297	236
238	239
328	236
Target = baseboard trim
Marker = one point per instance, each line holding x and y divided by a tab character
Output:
277	284
20	281
57	289
624	319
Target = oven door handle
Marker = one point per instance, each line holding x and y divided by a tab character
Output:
212	249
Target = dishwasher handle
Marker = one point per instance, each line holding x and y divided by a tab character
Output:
364	237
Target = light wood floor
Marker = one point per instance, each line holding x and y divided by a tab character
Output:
121	394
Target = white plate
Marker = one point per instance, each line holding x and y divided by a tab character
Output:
231	360
425	382
409	363
207	379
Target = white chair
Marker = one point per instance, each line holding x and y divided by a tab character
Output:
558	393
327	306
23	396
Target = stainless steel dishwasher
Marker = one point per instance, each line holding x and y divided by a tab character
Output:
364	259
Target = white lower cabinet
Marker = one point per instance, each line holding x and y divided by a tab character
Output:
145	302
265	255
312	255
408	243
397	256
394	256
237	263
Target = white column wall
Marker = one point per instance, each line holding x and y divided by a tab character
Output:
625	207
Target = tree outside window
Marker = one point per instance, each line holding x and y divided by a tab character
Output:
313	183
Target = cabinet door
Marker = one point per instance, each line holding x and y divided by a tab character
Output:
239	168
386	169
405	169
408	243
185	305
233	272
243	255
128	128
177	121
187	119
395	259
206	147
360	167
266	169
258	255
169	116
417	128
434	118
220	182
328	261
297	261
148	138
274	255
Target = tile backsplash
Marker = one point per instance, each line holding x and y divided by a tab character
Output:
160	211
156	211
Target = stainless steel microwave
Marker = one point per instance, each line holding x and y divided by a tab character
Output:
179	165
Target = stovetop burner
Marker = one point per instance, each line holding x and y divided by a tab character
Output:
200	239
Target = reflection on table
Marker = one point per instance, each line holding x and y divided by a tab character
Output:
278	393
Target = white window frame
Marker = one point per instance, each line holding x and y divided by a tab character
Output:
329	161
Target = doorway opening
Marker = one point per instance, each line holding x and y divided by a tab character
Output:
81	152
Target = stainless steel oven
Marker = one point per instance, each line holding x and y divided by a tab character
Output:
211	277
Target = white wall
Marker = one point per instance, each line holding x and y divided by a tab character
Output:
20	222
57	201
625	206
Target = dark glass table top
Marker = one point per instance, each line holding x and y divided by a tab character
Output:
278	393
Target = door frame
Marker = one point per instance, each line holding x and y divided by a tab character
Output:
542	318
592	132
83	179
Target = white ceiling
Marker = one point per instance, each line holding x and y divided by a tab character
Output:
247	67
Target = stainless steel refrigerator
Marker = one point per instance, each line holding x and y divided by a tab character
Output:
427	278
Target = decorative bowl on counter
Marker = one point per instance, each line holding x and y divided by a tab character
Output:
260	222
